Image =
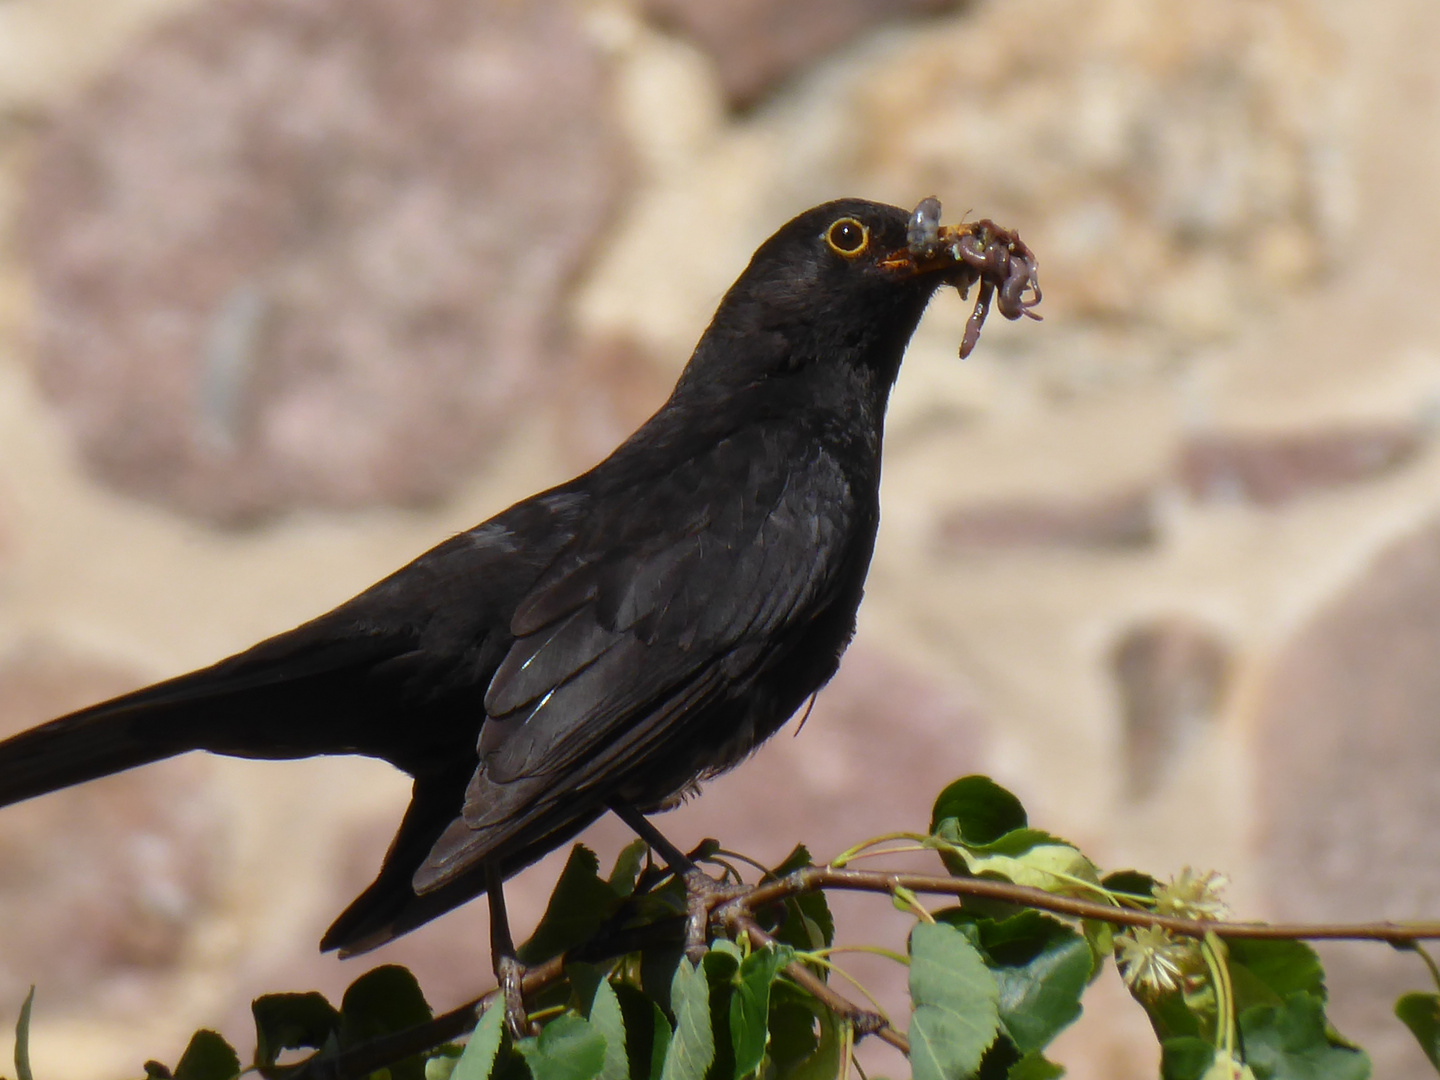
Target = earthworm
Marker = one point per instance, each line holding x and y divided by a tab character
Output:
977	318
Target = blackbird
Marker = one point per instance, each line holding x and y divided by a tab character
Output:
613	641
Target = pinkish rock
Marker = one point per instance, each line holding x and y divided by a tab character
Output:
1271	469
758	43
1172	674
7	529
1124	519
610	388
100	885
1347	752
297	252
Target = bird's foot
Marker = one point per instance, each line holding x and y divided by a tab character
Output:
510	974
703	894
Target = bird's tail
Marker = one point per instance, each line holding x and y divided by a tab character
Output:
93	742
276	700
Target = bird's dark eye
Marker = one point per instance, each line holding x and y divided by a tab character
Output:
847	237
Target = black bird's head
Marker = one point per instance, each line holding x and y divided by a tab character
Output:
837	290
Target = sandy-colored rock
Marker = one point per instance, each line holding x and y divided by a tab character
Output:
295	252
1175	166
758	43
1346	759
8	529
101	886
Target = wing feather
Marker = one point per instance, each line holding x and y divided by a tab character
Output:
622	645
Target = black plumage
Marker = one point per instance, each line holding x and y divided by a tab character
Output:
613	640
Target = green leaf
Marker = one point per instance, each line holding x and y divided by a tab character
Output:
722	960
1268	972
608	1019
384	1000
824	1062
982	809
1100	936
798	859
579	906
956	999
998	1059
22	1038
291	1022
1041	967
657	973
1035	1066
627	868
567	1048
1172	1018
1189	1058
1186	1057
1421	1014
805	1037
808	923
647	1032
1290	1042
1131	883
660	1050
440	1065
478	1058
750	1006
792	1022
1052	867
584	980
208	1057
692	1048
722	971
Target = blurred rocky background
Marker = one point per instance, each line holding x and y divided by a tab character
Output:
292	289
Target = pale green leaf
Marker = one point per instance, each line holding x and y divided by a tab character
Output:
22	1038
478	1059
567	1048
692	1046
956	1015
609	1021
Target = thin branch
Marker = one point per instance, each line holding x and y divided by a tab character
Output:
370	1056
813	878
865	1022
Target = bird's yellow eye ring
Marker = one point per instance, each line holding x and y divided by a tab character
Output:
847	237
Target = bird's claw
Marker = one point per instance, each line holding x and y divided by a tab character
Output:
510	974
703	894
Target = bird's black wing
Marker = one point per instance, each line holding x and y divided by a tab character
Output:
680	593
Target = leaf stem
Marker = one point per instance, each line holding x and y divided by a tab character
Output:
1429	963
884	838
838	970
910	900
876	950
1213	950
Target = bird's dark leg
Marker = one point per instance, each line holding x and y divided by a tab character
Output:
509	972
702	892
